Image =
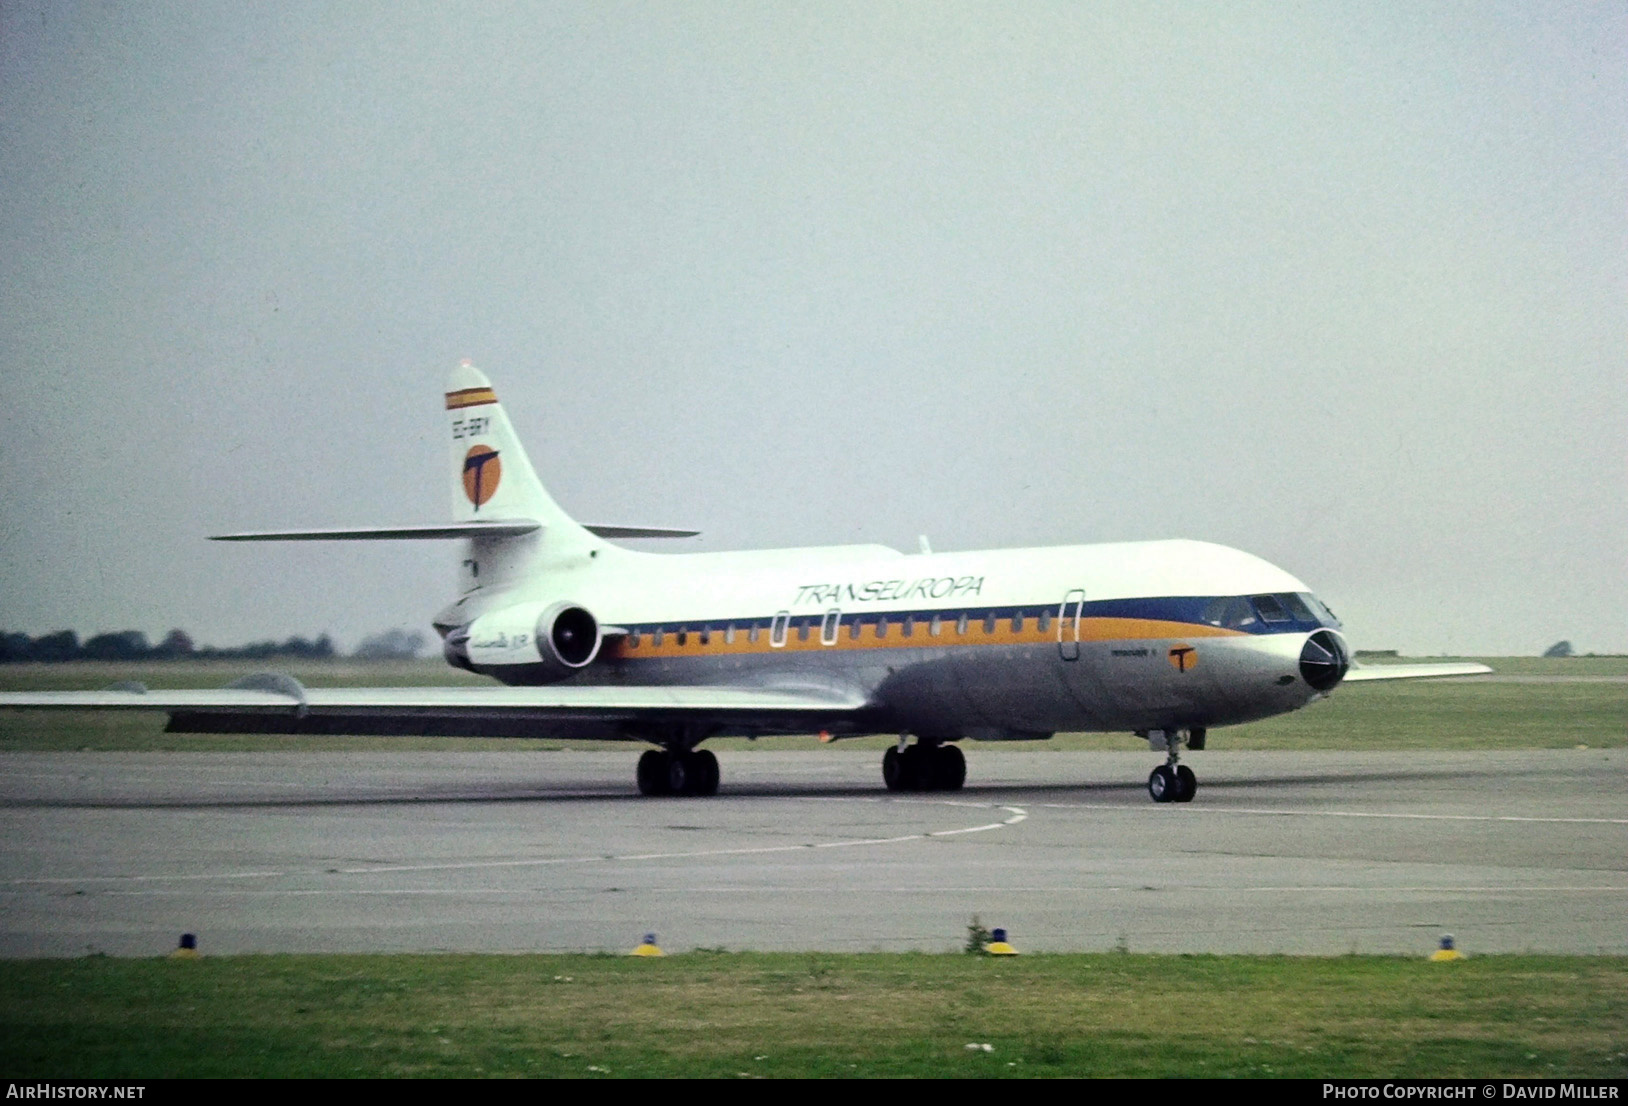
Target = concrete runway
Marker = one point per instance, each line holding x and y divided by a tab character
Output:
1319	852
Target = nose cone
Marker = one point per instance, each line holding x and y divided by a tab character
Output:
1324	660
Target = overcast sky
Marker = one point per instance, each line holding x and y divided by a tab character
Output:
1342	285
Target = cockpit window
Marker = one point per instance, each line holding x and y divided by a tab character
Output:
1282	610
1297	608
1231	611
1324	615
1270	610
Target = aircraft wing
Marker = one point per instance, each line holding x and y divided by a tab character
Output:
1412	671
279	704
435	531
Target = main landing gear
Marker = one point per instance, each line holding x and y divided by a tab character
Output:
924	766
1172	781
674	772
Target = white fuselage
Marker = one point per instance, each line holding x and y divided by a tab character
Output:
990	644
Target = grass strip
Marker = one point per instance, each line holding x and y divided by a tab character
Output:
785	1014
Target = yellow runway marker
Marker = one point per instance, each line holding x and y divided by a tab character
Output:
1447	950
998	945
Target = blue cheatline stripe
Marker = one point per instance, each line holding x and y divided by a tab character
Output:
1164	608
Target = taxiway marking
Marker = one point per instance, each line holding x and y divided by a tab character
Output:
758	889
1269	812
1015	815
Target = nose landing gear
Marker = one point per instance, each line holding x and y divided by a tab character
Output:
924	766
1172	781
1172	784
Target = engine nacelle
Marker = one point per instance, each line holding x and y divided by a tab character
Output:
569	635
529	643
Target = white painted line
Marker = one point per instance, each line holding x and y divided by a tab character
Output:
776	889
1266	812
863	841
969	829
1018	815
137	879
1017	812
1446	889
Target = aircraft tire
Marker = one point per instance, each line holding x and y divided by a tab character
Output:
706	772
920	767
681	773
893	770
1162	784
1186	784
949	768
652	772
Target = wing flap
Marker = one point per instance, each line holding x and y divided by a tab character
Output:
576	700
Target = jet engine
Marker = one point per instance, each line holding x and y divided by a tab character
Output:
527	643
568	635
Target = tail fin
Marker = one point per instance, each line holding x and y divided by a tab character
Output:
492	479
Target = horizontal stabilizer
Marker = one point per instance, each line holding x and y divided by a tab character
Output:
640	532
1413	671
510	528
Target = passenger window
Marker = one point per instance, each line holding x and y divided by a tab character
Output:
881	627
1269	608
751	634
937	625
909	626
802	629
633	639
706	636
729	633
989	622
854	628
657	640
1045	620
1017	622
683	635
961	624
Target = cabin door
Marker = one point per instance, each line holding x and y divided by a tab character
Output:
1068	624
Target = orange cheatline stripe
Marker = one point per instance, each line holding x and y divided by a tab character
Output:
1091	629
470	397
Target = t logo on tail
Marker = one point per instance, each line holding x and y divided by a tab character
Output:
482	471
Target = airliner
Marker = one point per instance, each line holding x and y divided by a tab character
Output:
587	639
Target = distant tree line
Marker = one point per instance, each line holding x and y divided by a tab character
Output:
133	645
